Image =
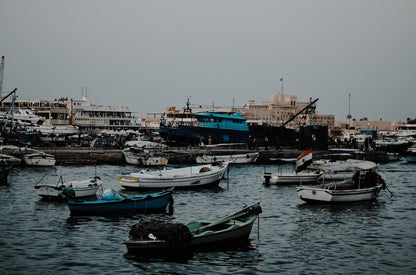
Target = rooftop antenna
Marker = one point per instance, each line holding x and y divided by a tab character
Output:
84	93
1	76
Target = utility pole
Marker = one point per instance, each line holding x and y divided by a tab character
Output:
349	110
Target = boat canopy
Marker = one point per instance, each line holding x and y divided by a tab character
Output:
348	165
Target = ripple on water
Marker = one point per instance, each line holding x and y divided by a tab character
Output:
294	237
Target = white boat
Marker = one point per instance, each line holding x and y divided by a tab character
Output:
341	169
232	158
24	117
18	152
340	192
296	177
56	130
139	156
191	176
146	144
39	159
6	159
303	177
10	150
77	189
393	156
351	189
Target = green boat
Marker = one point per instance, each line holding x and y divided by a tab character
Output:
163	239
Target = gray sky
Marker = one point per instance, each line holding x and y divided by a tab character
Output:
148	55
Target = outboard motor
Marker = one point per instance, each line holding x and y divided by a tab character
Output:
267	176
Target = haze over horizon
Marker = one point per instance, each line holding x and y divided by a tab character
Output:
149	55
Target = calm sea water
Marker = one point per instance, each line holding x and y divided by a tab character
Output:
292	237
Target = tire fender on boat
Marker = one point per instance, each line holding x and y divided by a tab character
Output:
127	178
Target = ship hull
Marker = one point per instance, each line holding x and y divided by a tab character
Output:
193	135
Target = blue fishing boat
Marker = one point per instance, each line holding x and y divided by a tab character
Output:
115	203
208	127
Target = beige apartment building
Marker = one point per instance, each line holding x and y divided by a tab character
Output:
281	108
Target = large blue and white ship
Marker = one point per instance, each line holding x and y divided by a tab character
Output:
204	128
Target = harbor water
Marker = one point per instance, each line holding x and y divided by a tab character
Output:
290	237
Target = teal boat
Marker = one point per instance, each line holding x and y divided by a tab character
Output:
165	240
190	128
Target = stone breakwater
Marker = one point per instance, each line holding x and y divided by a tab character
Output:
85	156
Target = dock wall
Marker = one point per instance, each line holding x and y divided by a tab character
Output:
85	156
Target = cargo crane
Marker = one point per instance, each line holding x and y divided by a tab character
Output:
309	109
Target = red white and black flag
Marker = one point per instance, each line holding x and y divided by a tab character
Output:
304	160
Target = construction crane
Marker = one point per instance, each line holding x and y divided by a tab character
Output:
1	76
10	113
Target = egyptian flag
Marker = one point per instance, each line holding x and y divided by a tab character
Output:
303	160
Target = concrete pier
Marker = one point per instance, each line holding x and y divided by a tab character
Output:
86	155
81	155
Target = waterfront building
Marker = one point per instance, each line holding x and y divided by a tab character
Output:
276	111
88	117
53	112
95	118
325	120
383	128
281	108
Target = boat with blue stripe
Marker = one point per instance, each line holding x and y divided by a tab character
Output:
205	128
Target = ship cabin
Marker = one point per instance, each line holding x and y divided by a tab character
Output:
222	121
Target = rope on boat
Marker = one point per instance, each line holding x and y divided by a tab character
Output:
41	179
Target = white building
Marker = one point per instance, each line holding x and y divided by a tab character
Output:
96	117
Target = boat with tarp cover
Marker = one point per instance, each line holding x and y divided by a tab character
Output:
115	203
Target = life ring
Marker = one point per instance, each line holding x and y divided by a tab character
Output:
127	178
